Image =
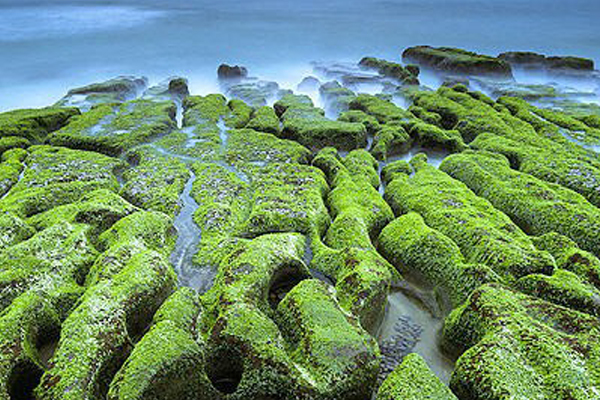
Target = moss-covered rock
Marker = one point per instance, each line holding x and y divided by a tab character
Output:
346	251
362	280
240	113
14	230
291	101
390	140
413	380
34	124
99	334
369	121
258	148
512	127
394	70
24	327
115	128
483	233
527	59
156	181
264	119
563	288
256	93
432	257
340	357
383	110
168	362
200	110
56	176
247	356
431	136
152	228
13	142
56	257
11	169
391	170
174	88
286	198
99	209
321	132
537	206
336	97
306	124
570	257
223	199
116	90
448	59
40	283
517	346
182	308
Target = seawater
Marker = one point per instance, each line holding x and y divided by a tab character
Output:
47	47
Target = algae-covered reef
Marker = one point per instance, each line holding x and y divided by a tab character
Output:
361	236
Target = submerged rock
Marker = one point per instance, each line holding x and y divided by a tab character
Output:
114	90
309	84
406	75
226	71
525	59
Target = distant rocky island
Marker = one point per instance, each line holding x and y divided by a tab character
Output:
423	228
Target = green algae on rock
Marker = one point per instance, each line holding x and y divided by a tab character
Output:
413	380
432	257
405	75
264	119
307	124
483	233
156	182
115	128
458	61
538	207
100	209
116	90
528	59
510	127
286	198
570	257
99	334
56	176
346	252
13	142
247	319
517	346
168	361
34	124
11	169
91	307
563	288
338	354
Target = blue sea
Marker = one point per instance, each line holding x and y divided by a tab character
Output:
46	47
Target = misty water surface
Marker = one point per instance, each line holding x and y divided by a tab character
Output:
48	46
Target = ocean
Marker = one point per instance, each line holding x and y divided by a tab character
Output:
47	47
